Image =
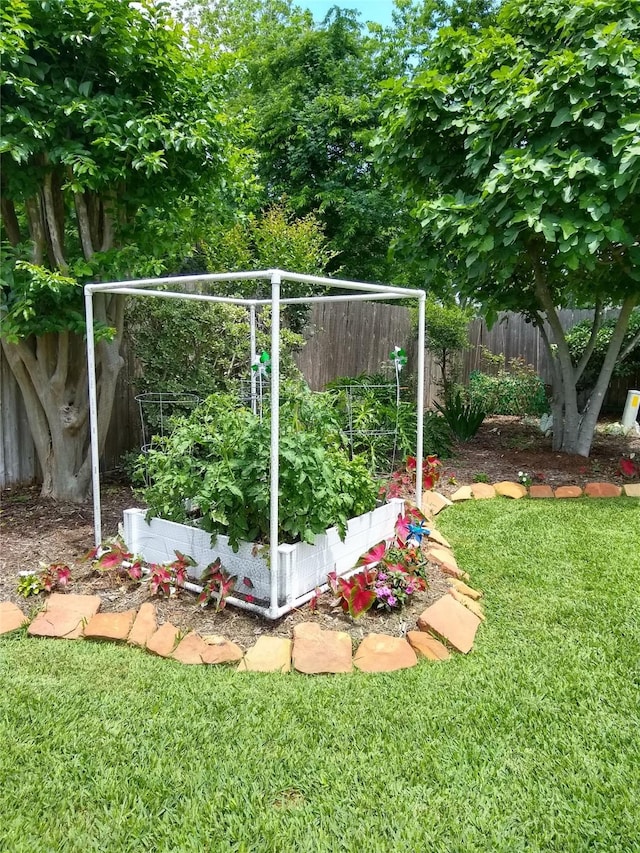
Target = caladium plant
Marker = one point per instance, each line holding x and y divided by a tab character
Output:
403	481
113	557
218	585
49	578
629	467
393	571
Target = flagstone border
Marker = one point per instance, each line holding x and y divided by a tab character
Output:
450	623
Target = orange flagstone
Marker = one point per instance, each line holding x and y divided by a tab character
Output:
145	625
508	489
269	654
540	491
427	646
164	640
568	492
464	493
220	650
316	651
462	587
11	617
469	603
110	626
64	616
483	491
434	502
602	490
438	538
452	621
381	653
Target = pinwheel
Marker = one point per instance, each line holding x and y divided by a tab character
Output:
417	531
262	368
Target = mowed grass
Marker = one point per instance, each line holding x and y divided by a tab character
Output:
531	742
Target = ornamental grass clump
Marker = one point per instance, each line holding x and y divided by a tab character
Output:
214	470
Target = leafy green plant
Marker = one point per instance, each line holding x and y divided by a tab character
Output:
217	460
377	425
49	578
480	477
463	416
515	388
627	364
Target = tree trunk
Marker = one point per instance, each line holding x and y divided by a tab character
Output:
52	376
573	430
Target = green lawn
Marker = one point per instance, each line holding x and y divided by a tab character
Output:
532	742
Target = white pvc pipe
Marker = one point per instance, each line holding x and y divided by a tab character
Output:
420	394
253	356
343	297
93	418
345	284
193	297
275	438
116	286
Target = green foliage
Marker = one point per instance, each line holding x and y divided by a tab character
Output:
379	428
447	335
218	460
539	163
464	416
578	337
513	390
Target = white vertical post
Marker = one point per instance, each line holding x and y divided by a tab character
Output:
93	416
275	438
252	344
420	392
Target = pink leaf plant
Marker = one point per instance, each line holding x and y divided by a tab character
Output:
218	585
393	571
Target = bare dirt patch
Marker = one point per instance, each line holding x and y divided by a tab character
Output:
38	531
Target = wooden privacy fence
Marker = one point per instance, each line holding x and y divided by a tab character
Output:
344	339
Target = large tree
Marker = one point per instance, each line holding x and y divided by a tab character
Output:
111	125
520	146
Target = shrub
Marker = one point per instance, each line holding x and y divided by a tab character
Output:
462	415
577	339
516	390
218	459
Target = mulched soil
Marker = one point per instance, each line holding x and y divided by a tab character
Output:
38	531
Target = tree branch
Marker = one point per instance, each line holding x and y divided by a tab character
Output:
36	228
83	225
30	389
10	220
591	343
633	343
53	226
62	362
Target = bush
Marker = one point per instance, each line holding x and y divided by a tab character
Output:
463	416
578	337
217	460
517	390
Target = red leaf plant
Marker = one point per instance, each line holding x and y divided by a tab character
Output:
393	571
403	481
54	576
629	467
113	557
218	585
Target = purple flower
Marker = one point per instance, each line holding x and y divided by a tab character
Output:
382	591
392	601
410	590
382	576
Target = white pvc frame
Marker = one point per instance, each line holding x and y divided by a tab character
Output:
367	292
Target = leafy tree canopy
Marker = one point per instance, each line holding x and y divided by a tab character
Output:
520	146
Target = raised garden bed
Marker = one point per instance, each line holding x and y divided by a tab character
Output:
301	567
